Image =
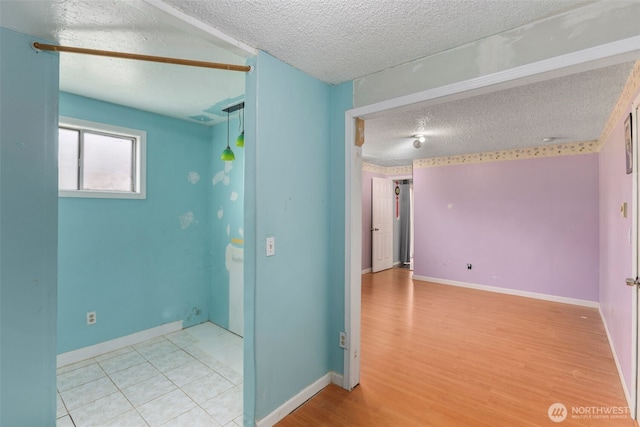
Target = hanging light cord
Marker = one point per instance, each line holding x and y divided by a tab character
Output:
228	148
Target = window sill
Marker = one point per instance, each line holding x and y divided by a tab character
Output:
88	194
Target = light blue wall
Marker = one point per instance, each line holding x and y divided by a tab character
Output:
287	196
227	216
28	232
250	247
341	101
135	262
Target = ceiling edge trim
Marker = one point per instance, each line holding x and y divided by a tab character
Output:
552	150
622	106
190	24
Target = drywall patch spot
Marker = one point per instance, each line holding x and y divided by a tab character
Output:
241	232
227	167
193	177
234	196
220	213
218	178
449	206
186	220
226	180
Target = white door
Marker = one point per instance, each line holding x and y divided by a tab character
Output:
381	224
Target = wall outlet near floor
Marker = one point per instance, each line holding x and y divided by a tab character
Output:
343	340
469	266
91	317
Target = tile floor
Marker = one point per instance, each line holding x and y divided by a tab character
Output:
192	377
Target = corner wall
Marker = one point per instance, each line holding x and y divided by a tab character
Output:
287	196
28	230
226	183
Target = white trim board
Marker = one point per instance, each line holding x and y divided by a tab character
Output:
535	295
74	356
307	393
615	359
366	270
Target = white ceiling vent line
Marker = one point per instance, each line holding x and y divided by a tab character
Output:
191	25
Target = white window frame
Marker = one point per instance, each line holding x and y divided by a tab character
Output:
140	143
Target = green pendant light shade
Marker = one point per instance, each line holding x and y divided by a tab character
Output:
227	155
240	140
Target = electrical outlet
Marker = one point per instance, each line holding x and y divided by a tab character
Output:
91	317
343	340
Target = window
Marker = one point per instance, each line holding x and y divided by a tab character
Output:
99	160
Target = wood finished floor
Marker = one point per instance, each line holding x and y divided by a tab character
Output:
436	355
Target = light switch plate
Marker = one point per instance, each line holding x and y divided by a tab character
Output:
271	246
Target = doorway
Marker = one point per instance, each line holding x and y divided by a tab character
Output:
556	67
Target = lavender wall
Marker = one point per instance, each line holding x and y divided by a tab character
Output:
366	217
615	248
529	225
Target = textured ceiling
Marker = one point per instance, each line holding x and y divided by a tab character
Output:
338	40
136	27
571	109
333	40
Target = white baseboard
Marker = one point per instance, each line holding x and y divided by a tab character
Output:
535	295
395	264
290	405
615	358
115	344
337	379
366	270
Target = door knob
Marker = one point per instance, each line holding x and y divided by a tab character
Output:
632	282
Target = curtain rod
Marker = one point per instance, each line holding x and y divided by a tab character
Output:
39	46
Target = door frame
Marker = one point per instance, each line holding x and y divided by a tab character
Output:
635	216
560	66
